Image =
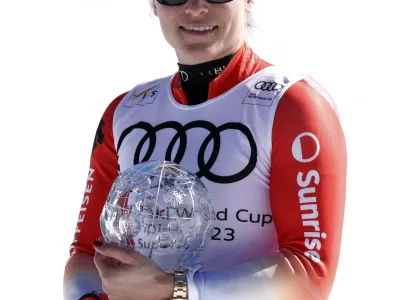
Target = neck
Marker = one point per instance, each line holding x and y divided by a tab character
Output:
195	79
195	57
205	72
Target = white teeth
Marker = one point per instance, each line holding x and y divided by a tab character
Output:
198	28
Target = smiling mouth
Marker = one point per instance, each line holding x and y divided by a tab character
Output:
198	30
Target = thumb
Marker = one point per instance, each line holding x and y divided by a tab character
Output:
125	255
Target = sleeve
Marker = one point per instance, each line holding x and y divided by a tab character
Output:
80	275
307	191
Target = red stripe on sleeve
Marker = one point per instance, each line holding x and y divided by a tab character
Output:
308	183
102	173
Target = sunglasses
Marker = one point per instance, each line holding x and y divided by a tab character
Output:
180	2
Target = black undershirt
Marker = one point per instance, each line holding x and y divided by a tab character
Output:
195	79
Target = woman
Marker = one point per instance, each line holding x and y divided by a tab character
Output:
278	181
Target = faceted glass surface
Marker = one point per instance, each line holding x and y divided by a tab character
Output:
162	210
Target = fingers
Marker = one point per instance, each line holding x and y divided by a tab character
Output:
109	270
100	263
106	261
123	255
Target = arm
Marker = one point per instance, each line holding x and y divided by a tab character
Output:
81	276
307	189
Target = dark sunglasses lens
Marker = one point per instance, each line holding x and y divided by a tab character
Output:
219	1
180	2
172	2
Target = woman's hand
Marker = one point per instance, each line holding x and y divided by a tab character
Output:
128	275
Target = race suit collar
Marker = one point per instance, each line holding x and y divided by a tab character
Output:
244	64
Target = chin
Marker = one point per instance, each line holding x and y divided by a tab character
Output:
198	53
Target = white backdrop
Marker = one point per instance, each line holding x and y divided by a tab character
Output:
62	62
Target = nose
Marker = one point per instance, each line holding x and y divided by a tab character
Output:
196	7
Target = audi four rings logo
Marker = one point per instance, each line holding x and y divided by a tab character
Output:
268	86
181	137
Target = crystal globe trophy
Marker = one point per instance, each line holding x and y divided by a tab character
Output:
162	210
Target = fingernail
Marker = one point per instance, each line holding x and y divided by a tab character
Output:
97	243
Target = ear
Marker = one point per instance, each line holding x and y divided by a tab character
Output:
155	10
249	4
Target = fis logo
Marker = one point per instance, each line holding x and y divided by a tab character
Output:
144	97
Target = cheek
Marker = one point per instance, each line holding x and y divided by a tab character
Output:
168	28
235	19
167	21
235	28
164	22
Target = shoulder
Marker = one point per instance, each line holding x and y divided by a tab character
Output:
297	91
145	91
307	94
306	108
306	125
137	94
295	84
285	87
